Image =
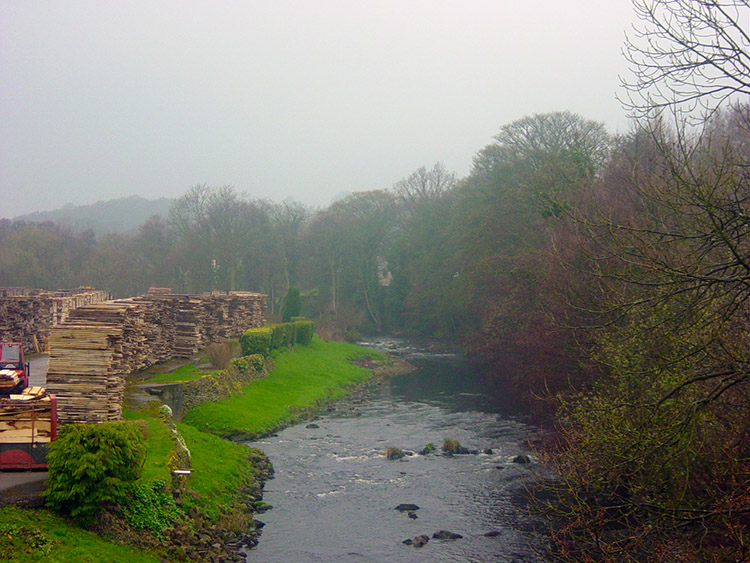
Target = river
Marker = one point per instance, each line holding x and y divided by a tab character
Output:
334	493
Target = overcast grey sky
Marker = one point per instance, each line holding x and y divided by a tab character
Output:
282	98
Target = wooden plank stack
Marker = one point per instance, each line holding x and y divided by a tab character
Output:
85	371
99	345
26	316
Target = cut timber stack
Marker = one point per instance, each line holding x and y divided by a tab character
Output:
100	344
26	316
25	319
85	372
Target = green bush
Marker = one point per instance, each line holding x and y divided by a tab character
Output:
151	507
256	361
291	305
253	361
304	332
277	335
283	334
290	334
295	319
451	447
256	341
91	465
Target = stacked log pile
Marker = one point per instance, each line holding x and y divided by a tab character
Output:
26	316
85	371
67	301
99	345
25	319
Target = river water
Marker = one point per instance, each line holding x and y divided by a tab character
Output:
334	493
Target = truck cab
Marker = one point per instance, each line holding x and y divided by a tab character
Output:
14	371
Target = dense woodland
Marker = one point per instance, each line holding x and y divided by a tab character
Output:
608	276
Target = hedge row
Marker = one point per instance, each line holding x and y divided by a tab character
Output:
263	340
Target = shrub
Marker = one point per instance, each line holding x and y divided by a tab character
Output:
290	334
220	354
304	332
291	304
151	507
253	361
451	447
393	453
277	335
256	341
91	465
283	334
256	361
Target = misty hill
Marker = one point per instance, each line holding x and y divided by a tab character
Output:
121	215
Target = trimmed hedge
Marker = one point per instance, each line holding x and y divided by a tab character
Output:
277	335
304	332
270	337
256	341
283	334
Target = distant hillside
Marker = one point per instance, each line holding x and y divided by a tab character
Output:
122	215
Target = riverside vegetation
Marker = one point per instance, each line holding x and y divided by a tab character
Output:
205	517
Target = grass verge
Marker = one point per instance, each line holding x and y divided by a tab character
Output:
300	380
27	536
188	372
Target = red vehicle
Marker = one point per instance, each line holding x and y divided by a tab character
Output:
14	372
28	423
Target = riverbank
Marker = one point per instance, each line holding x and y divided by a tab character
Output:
300	384
224	490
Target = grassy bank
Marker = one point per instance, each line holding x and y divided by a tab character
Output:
300	380
27	536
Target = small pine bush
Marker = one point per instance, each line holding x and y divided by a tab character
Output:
291	305
92	465
256	341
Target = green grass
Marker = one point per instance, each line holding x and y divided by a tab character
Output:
187	372
159	444
28	536
219	467
300	379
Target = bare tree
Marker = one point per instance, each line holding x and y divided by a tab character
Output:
423	184
687	55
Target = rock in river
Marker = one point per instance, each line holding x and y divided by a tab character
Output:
446	535
407	507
